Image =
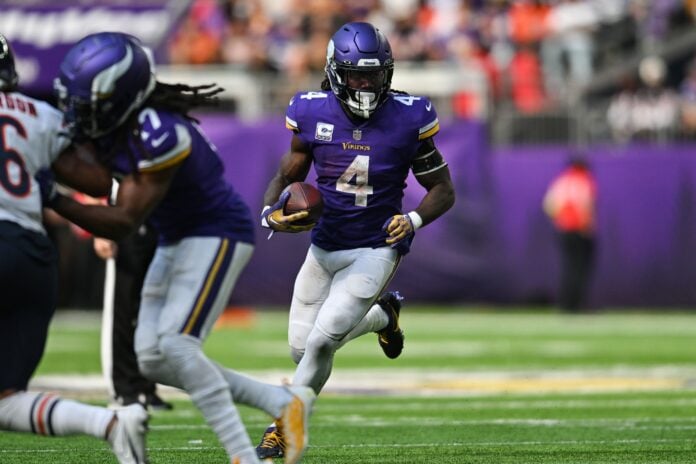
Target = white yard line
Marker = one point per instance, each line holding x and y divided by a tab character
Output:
439	382
394	445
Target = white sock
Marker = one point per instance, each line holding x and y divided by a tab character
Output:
47	414
375	319
250	392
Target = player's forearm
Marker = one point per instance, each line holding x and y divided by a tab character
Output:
436	202
103	221
275	187
84	176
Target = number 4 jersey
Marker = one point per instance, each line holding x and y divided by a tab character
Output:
30	139
361	165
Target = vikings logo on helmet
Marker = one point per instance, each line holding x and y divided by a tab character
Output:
359	66
103	78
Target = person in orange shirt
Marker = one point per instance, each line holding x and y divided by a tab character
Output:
570	204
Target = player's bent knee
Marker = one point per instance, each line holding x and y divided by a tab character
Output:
321	344
152	366
296	354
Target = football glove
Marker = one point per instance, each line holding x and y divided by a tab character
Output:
47	184
399	227
273	217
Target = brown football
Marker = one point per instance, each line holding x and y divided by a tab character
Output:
304	196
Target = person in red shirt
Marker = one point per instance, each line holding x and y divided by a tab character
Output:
570	204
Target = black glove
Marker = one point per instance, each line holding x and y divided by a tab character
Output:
47	184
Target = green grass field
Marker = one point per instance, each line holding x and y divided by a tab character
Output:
473	386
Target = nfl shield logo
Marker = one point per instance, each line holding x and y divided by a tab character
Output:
357	134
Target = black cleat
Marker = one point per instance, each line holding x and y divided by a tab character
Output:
391	338
272	444
156	403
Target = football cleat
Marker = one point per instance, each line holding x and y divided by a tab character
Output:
127	438
293	423
156	403
391	338
272	444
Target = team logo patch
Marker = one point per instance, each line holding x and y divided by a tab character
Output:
357	134
324	131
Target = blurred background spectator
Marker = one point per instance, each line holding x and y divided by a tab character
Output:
687	98
537	70
649	112
569	39
558	60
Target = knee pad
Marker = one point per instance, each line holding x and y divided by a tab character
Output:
159	363
321	344
152	366
179	351
296	354
198	375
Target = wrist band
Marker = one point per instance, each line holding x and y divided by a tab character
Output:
416	220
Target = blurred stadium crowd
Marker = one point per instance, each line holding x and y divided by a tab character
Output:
537	56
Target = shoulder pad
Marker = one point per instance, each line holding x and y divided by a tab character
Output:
166	139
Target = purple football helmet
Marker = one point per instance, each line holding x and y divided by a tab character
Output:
103	78
359	66
8	74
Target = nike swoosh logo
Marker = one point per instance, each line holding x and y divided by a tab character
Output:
158	141
428	106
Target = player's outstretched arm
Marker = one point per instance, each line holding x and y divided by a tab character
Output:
138	195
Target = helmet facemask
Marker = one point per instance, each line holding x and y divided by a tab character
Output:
359	67
362	88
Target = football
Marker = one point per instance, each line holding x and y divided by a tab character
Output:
304	196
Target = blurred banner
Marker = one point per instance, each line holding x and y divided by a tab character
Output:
41	31
496	245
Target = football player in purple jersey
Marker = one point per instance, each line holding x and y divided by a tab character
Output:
363	139
31	139
171	175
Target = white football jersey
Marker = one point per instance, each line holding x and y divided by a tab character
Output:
30	139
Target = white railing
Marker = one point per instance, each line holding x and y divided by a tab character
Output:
255	94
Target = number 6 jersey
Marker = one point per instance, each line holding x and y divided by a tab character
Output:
30	139
361	165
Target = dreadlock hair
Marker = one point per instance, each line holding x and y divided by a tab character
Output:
176	98
182	98
325	84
